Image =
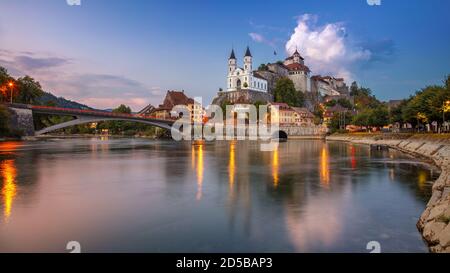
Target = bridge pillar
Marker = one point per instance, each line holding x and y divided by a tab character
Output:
22	121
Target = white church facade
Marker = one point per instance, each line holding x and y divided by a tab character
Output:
244	78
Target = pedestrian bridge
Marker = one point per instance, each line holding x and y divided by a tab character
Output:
87	116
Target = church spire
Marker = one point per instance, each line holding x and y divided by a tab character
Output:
232	55
247	52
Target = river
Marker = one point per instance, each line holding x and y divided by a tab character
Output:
138	195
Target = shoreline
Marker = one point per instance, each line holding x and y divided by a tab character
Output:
434	223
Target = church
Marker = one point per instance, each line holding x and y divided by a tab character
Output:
244	78
244	85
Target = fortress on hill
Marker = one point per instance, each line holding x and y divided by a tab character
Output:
245	85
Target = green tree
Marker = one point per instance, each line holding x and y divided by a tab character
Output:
340	120
263	67
353	89
285	92
330	103
345	103
4	121
28	90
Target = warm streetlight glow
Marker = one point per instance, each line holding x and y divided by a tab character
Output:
11	84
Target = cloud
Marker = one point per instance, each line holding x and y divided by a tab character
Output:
259	38
31	63
57	76
106	91
326	48
26	62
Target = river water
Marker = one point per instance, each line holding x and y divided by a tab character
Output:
137	195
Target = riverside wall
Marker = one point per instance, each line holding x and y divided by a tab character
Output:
434	221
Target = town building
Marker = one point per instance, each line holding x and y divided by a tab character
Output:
293	68
172	99
328	86
286	115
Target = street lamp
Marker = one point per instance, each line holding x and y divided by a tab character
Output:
11	86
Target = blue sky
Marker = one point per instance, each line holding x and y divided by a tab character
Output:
104	53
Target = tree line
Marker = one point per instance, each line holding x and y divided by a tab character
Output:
27	90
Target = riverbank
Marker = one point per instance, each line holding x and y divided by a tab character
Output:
434	221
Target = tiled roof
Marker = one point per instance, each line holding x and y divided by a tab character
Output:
303	111
174	98
297	67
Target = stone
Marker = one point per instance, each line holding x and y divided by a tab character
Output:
447	212
437	211
446	192
432	231
444	237
434	198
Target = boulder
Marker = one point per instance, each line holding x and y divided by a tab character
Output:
432	231
437	211
444	237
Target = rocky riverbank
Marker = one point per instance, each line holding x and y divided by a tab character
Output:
434	221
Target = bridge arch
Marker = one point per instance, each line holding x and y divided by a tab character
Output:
280	134
85	119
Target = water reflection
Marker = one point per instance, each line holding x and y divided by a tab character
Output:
199	171
9	189
275	168
324	167
138	194
232	165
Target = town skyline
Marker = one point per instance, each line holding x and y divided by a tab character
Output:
131	69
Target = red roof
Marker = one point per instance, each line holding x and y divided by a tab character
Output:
174	98
297	67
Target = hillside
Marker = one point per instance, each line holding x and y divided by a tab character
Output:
61	102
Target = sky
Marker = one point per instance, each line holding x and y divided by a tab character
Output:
109	52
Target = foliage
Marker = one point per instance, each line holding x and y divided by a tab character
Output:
427	105
4	121
263	67
330	103
28	90
339	121
345	103
372	117
285	92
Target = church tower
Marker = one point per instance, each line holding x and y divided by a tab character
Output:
231	63
297	57
248	61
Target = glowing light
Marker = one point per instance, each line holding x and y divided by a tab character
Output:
275	168
9	189
199	172
324	167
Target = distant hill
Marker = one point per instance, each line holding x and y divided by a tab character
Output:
61	102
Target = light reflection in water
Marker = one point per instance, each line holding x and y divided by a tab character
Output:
422	179
193	157
353	157
231	164
9	189
275	167
199	171
324	167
